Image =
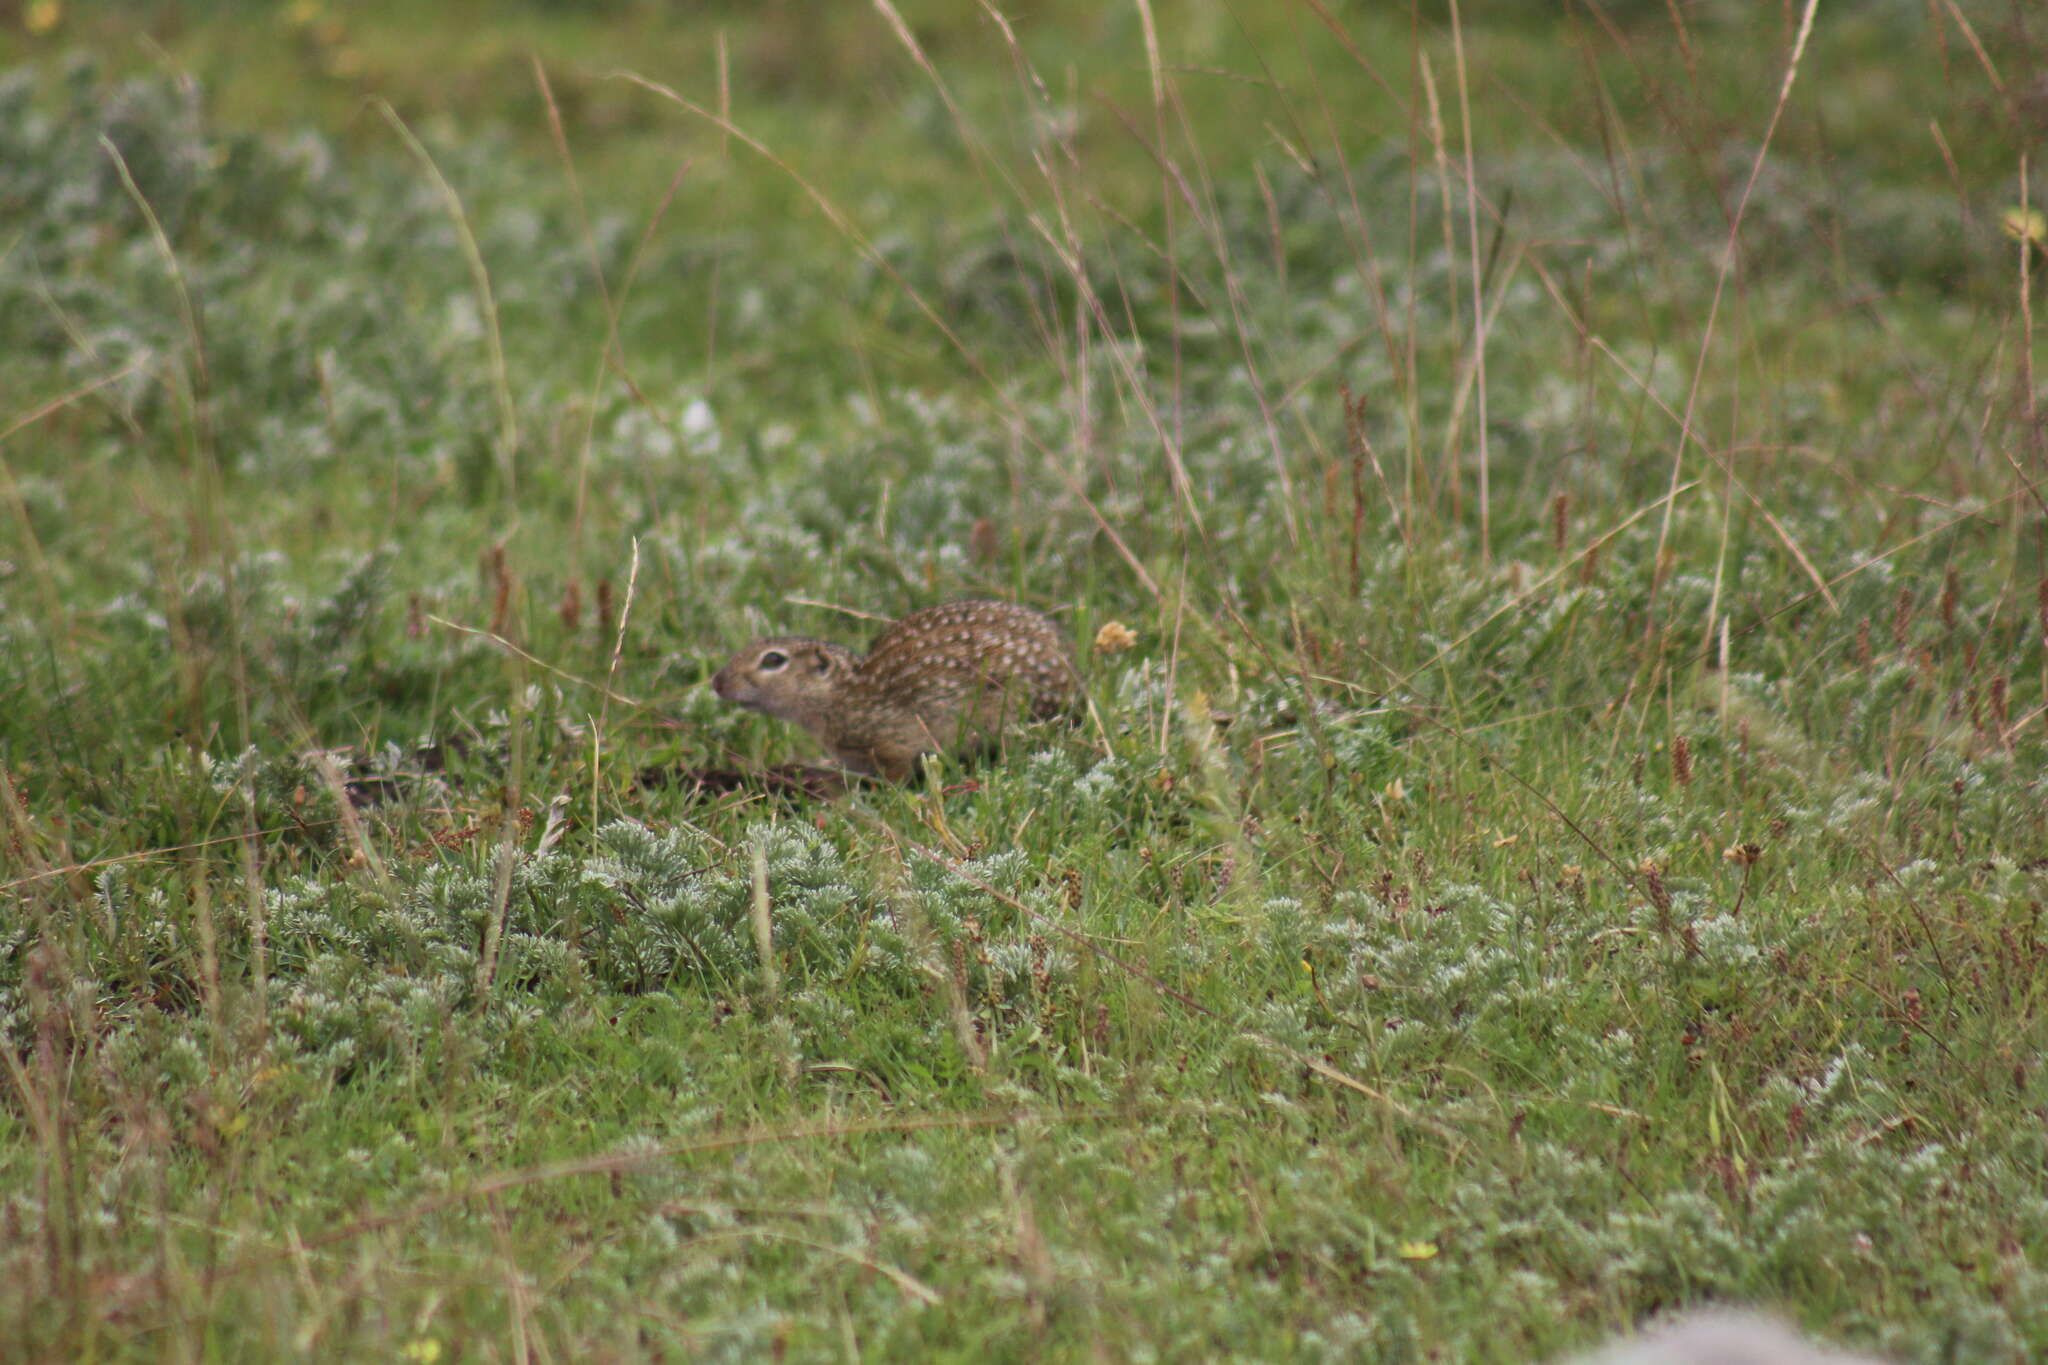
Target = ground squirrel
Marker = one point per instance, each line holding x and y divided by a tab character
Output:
943	680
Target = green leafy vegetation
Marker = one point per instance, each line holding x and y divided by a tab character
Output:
1554	530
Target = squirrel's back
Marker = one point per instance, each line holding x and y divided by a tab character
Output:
959	648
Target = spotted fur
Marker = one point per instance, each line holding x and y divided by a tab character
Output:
948	679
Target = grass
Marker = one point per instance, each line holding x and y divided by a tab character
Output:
1564	839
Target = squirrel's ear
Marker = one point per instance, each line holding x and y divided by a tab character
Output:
821	662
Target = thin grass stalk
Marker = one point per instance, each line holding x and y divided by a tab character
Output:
761	912
487	302
2036	436
508	854
1722	271
610	681
1480	316
1450	475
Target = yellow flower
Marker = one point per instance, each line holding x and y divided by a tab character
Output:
2025	225
42	16
1114	638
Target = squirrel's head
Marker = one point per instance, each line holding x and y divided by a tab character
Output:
788	676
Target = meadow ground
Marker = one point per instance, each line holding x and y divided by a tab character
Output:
1553	512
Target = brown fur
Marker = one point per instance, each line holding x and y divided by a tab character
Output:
947	679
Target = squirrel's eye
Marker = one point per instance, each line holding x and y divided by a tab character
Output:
773	660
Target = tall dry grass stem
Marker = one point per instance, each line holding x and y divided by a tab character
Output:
487	303
1723	269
